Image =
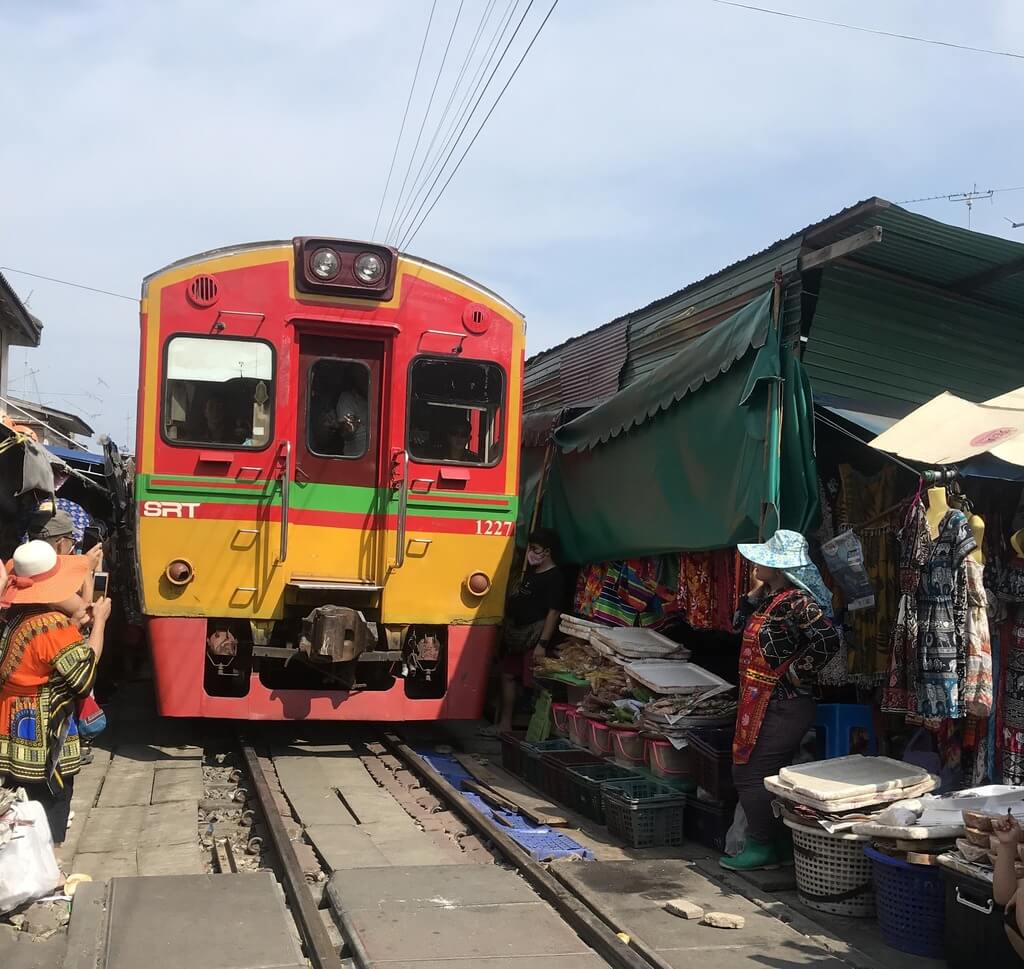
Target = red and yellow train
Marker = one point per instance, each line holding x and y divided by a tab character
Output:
326	482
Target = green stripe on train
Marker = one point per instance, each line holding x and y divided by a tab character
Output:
315	496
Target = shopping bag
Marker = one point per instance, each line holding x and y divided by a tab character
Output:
28	868
91	718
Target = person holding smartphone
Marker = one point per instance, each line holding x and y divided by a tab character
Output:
47	667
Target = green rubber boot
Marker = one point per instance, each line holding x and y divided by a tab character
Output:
755	856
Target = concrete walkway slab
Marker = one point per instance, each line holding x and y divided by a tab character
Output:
181	859
112	829
122	788
169	824
345	846
453	915
631	895
200	921
106	864
177	785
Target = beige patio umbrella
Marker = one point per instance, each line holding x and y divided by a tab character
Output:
949	429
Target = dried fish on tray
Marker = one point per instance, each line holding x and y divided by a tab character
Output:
573	657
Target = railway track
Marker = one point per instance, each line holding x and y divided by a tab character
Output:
278	791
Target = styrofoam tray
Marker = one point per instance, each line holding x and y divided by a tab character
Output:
787	793
911	832
672	677
635	642
853	776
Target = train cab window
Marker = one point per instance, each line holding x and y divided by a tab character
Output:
338	410
218	392
456	411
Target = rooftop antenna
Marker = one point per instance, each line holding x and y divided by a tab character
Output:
1014	225
969	198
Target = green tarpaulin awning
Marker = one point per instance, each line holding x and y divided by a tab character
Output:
697	455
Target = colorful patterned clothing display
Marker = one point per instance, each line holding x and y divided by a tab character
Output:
1012	729
588	588
942	620
978	692
867	506
45	669
900	695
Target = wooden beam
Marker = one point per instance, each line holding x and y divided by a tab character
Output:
970	283
838	224
844	247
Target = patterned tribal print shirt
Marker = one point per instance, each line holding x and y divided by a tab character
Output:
798	626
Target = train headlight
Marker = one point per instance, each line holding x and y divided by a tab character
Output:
478	584
369	268
325	264
179	572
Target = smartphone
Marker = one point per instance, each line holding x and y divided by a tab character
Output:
99	585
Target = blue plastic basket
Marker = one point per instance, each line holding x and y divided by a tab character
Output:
546	845
911	904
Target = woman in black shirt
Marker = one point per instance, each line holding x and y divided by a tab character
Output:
531	618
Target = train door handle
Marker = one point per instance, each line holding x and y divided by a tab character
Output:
286	479
400	480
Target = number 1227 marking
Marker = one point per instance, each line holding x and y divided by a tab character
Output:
490	526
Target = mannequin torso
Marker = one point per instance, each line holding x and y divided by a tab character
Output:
938	507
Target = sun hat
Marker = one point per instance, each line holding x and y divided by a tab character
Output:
58	525
784	550
39	575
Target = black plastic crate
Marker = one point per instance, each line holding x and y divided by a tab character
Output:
975	935
713	763
532	754
707	823
585	783
512	752
553	779
644	814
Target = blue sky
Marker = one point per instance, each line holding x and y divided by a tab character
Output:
642	146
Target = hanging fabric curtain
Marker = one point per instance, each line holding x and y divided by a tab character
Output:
712	448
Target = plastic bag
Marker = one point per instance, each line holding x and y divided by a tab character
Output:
28	868
736	836
844	557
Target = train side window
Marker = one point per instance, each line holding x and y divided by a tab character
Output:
456	411
338	422
218	392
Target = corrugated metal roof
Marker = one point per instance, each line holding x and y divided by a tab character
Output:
874	338
26	329
917	255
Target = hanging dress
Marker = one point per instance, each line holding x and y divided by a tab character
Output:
942	621
1012	727
900	695
978	695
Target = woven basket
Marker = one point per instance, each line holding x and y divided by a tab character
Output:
833	874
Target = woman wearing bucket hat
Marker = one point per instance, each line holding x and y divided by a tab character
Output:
46	667
788	638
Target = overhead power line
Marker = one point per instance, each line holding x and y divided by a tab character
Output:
870	30
426	114
483	123
441	123
64	282
474	93
405	115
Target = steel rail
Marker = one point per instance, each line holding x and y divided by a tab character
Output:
319	949
577	913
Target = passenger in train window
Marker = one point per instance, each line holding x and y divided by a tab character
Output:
340	423
218	428
457	441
